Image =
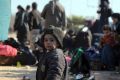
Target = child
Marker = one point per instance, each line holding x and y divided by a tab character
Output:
52	64
107	42
108	37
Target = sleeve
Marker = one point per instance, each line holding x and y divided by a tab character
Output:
55	67
44	12
118	29
30	20
102	41
64	19
16	22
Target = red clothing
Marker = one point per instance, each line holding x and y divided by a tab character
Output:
108	39
68	59
6	50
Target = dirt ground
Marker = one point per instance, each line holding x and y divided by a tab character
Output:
17	73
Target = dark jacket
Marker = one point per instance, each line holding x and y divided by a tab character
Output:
52	66
118	28
35	19
117	31
20	27
19	20
54	14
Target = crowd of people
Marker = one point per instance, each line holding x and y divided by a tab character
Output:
33	22
54	51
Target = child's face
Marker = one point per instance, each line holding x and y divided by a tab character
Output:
106	31
50	42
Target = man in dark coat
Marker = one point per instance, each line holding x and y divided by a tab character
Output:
54	14
19	25
34	24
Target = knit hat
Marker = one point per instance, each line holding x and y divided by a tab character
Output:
56	32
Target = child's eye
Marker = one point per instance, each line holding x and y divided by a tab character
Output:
51	40
45	40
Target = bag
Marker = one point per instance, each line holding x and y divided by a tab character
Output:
6	50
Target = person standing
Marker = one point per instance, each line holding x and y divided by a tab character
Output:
19	25
54	14
34	24
27	12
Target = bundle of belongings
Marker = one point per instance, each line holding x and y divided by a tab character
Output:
7	53
12	52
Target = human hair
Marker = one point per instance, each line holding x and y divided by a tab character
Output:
106	27
27	7
20	8
116	15
34	5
